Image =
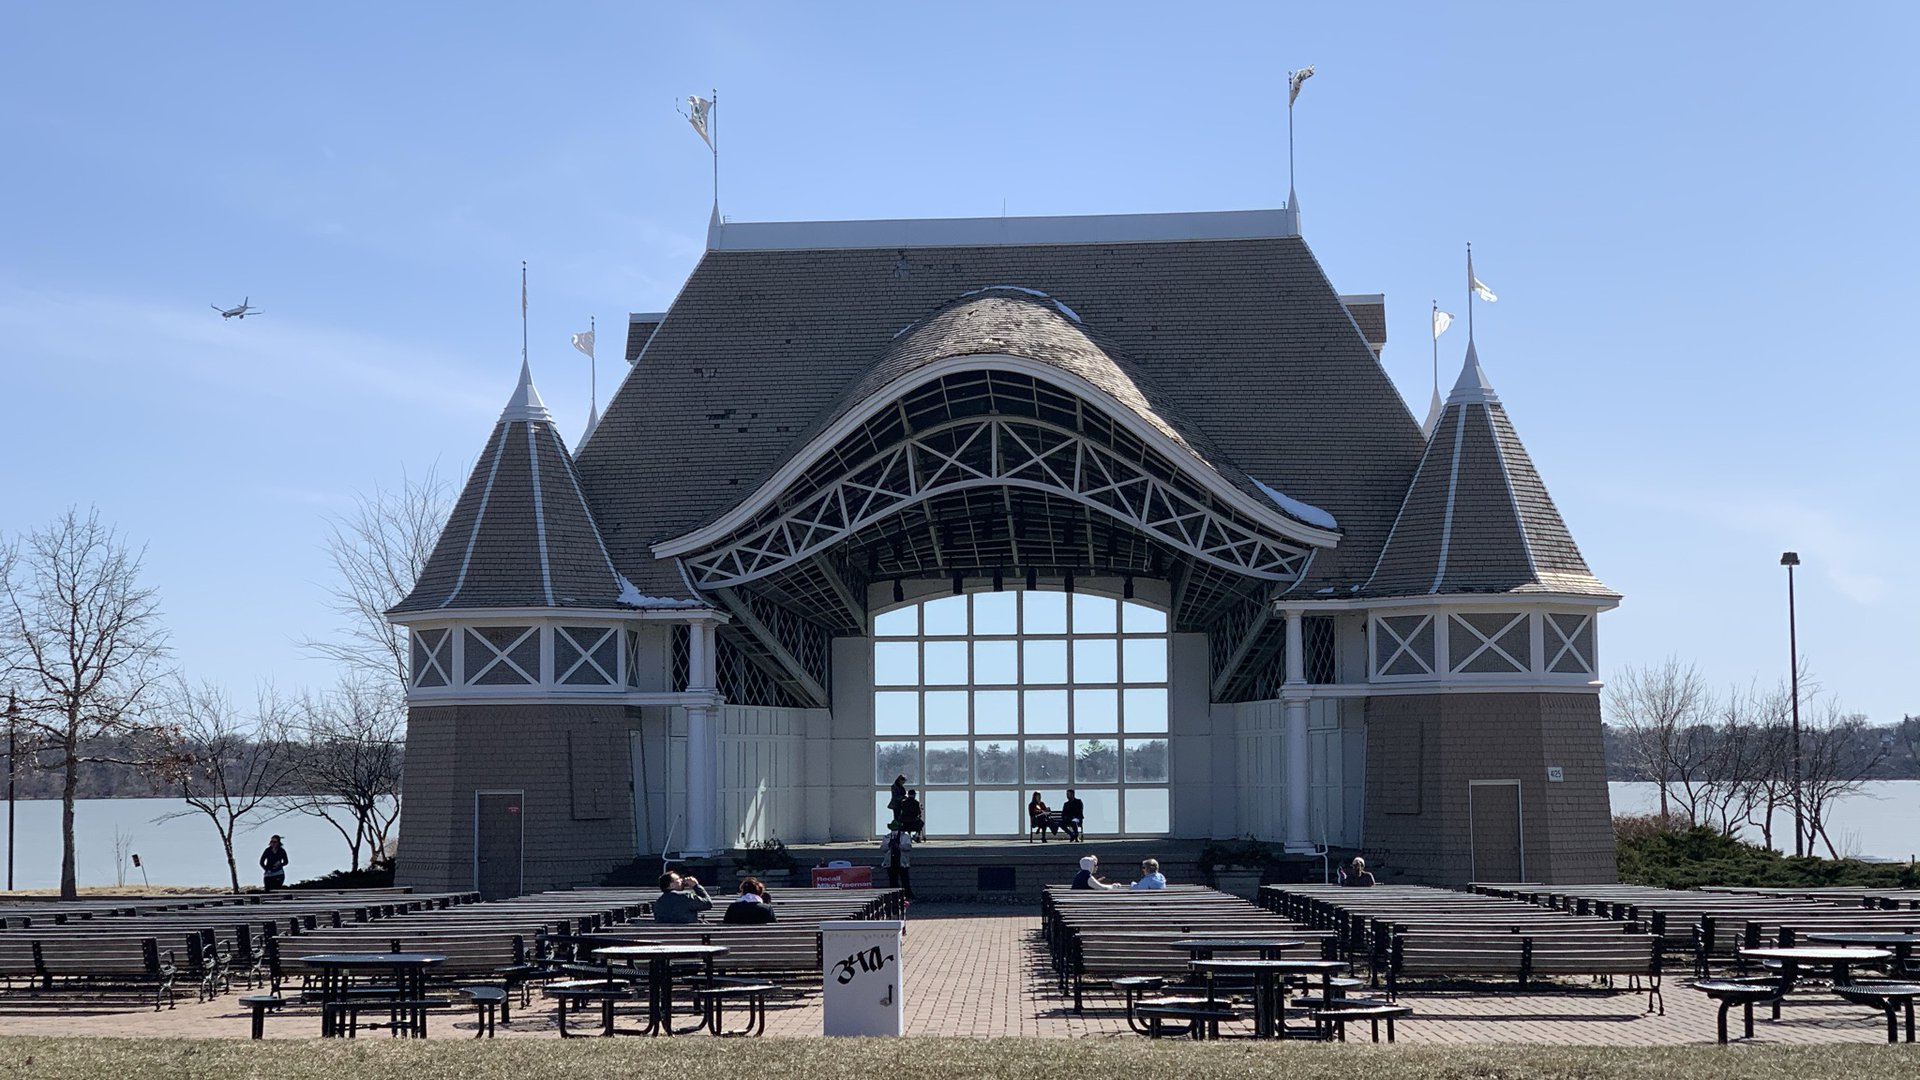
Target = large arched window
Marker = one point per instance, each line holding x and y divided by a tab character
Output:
981	700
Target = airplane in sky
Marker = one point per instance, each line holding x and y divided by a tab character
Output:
240	312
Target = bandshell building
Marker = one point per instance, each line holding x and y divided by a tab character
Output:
1120	504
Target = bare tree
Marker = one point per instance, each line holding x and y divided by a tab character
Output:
349	764
226	766
1838	751
1660	711
82	639
355	735
378	551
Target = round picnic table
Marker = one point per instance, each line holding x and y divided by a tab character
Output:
338	972
1901	943
660	960
1270	987
1269	948
1793	958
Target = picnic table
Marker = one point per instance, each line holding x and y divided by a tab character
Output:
1902	944
660	960
1270	987
406	995
1839	960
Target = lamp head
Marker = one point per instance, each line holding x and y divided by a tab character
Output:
1789	558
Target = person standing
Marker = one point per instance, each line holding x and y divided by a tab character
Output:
897	850
273	866
897	800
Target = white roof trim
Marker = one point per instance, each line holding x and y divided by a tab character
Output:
1453	487
1351	299
1506	475
1265	513
1472	388
479	515
973	232
525	404
539	510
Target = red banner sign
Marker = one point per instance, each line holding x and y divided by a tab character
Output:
843	877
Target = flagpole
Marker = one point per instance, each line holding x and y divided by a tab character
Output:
523	312
1436	348
713	129
1290	187
593	367
1469	292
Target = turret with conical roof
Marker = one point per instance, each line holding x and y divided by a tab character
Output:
520	535
1477	518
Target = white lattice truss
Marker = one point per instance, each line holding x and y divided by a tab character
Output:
1483	644
1000	451
1402	642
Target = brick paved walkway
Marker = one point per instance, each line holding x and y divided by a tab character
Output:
982	973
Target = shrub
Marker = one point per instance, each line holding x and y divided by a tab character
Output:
377	874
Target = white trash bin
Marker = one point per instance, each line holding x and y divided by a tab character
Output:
862	986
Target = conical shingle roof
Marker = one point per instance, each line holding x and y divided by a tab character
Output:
520	534
1477	518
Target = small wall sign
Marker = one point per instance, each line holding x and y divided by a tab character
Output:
1555	774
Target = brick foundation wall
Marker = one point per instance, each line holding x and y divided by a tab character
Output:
571	761
1422	751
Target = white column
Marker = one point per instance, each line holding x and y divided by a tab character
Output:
1299	777
703	766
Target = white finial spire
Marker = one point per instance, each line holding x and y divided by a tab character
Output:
1472	388
1433	414
593	422
525	404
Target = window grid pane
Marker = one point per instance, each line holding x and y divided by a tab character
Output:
982	699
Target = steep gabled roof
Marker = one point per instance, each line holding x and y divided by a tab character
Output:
520	534
1245	338
1477	518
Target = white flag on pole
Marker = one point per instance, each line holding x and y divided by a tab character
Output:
1479	287
698	107
584	342
1294	79
1441	320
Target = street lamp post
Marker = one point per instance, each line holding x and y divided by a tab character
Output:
1791	559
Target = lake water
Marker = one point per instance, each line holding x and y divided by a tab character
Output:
1881	822
179	851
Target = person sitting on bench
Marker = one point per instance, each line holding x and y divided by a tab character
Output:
1089	875
1358	878
753	907
1073	813
1150	876
1040	817
681	900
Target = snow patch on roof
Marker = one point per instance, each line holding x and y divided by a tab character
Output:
632	597
1306	512
1067	311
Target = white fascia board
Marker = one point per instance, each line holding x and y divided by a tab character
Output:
1440	601
995	231
1364	298
539	696
1265	513
1429	686
525	615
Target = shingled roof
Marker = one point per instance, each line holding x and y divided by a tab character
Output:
520	534
1244	340
1477	518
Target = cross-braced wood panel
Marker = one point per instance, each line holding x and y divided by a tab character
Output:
1146	495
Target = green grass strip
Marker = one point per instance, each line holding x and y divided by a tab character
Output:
921	1059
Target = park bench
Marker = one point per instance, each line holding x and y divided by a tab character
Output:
1525	958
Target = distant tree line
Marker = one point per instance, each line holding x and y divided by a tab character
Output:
1728	761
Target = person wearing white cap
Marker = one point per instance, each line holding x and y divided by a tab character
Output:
1089	875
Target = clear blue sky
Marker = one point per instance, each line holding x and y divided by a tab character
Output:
1699	218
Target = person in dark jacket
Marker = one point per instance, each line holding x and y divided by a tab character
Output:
1359	878
753	906
273	866
913	816
896	799
897	851
681	900
1073	815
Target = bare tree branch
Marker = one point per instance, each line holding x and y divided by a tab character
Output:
82	643
225	766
